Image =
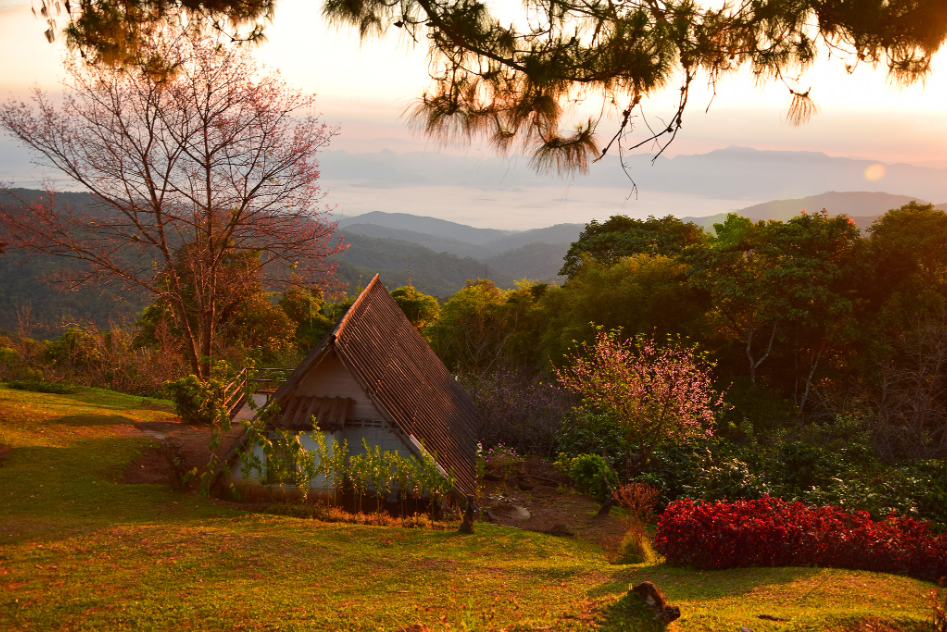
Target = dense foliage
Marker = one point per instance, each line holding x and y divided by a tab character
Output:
620	236
771	532
830	346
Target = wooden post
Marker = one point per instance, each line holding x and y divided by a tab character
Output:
467	525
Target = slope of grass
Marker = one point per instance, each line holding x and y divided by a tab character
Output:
81	550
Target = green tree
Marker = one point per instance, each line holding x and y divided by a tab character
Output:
482	327
903	289
247	319
421	309
641	294
470	332
908	264
307	308
622	236
781	284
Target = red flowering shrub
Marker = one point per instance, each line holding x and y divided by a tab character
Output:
770	532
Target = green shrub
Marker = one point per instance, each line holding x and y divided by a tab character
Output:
849	476
587	432
198	402
709	469
42	387
635	548
590	473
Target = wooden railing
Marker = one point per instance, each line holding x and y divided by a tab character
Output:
263	380
236	393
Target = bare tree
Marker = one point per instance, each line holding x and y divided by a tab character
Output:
202	180
909	403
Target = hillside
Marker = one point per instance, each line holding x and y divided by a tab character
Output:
27	292
427	225
534	261
437	243
438	274
443	255
851	203
87	546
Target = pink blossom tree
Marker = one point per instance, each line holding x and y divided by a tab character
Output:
654	392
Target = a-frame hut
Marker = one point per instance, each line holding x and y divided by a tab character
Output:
374	377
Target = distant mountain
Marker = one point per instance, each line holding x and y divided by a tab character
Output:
438	274
24	293
558	234
732	173
533	254
434	242
534	261
428	225
862	204
73	199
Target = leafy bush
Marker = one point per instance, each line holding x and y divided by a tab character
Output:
770	532
586	432
43	387
706	469
925	484
202	402
591	474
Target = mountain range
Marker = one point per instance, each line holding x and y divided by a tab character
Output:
732	173
505	256
435	255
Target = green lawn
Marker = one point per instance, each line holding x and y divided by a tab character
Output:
80	550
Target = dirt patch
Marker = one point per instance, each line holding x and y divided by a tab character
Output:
4	453
190	445
553	508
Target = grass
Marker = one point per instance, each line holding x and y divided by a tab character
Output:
80	550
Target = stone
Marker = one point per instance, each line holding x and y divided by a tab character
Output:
649	593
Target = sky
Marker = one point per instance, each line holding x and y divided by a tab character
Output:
364	87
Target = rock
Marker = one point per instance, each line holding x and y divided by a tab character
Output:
511	512
668	614
649	593
560	531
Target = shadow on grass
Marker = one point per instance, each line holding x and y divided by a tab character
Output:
681	585
679	582
79	486
91	420
629	614
111	400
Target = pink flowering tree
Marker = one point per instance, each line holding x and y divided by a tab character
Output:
654	392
